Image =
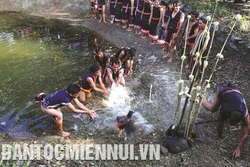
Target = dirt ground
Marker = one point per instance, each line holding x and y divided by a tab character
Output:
235	67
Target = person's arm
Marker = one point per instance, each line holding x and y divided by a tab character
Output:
106	67
108	63
215	105
196	30
132	7
182	17
93	85
82	110
245	129
151	14
161	13
109	71
131	62
121	73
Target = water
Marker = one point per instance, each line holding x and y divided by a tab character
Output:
39	55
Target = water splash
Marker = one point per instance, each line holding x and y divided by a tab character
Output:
119	103
119	97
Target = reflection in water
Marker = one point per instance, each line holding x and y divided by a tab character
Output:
13	126
7	37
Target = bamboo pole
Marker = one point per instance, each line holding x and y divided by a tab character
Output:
207	82
150	94
180	81
191	111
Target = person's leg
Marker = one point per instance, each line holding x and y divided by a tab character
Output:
167	44
172	50
122	82
107	80
82	96
100	12
59	119
220	128
103	13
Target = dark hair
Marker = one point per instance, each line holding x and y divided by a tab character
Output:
235	117
98	49
177	2
170	1
73	89
203	19
114	61
195	13
93	68
132	51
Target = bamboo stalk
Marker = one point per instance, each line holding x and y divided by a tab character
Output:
150	94
207	82
183	57
191	110
196	113
179	97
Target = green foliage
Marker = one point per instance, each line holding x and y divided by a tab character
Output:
207	7
201	6
223	10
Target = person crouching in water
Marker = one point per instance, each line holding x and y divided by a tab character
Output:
87	83
126	56
115	74
103	60
51	103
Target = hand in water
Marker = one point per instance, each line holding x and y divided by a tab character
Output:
107	92
92	114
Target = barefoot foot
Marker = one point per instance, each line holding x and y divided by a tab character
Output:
64	134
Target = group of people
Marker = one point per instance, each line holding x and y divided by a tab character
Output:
107	70
147	16
162	22
144	16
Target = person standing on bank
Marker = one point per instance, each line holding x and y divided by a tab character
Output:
233	107
87	83
102	10
155	20
51	103
173	29
146	11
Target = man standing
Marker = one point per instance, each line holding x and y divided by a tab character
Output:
232	107
173	29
